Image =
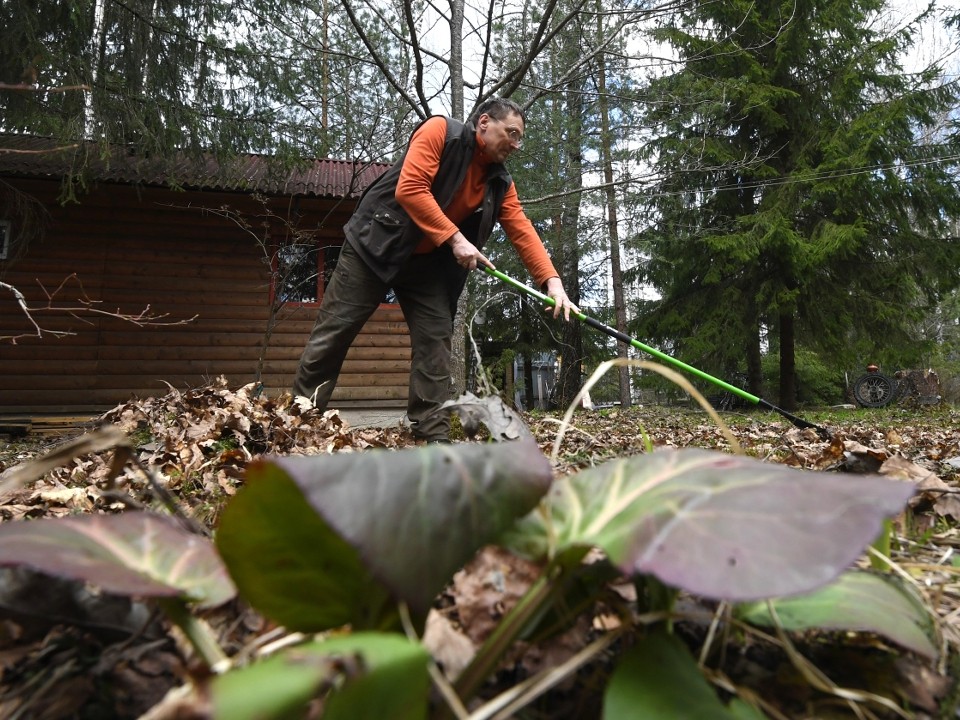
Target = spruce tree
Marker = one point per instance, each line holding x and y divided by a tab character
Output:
796	196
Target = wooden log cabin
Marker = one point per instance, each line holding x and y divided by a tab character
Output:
230	260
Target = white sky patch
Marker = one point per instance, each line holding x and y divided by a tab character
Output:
935	44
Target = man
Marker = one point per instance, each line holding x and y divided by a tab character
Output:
419	229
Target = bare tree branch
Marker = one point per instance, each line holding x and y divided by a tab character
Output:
45	151
28	87
381	63
83	305
417	53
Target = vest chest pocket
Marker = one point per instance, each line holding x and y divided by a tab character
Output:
385	237
385	217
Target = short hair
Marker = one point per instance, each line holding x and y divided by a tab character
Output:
498	108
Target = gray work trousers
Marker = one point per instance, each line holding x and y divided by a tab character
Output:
352	295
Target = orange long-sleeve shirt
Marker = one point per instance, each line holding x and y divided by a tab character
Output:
413	193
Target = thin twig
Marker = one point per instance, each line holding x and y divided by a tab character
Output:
821	682
749	696
573	428
436	675
712	632
507	704
168	500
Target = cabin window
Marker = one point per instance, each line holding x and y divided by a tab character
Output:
304	271
297	273
4	239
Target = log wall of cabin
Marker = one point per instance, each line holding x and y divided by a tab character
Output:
177	254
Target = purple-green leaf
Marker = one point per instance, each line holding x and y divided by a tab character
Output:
721	526
290	564
133	553
408	519
417	516
857	601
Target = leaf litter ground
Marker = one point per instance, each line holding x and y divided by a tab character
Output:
71	652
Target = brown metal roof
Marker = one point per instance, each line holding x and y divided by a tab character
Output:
29	156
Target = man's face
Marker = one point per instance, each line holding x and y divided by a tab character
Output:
501	137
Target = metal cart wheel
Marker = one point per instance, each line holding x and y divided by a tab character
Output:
875	390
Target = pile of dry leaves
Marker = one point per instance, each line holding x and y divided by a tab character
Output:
91	656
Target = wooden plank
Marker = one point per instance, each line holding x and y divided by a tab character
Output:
122	272
401	379
212	368
150	217
300	313
50	323
378	353
109	398
17	426
93	411
224	333
43	399
342	392
52	365
45	424
49	346
172	297
155	290
31	277
122	257
160	350
194	374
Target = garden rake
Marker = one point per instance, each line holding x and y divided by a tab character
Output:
679	364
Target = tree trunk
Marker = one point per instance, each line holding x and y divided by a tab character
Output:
97	46
458	354
567	250
456	58
325	67
616	277
754	354
754	365
788	363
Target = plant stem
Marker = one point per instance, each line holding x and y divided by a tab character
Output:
531	606
882	545
197	632
508	703
504	635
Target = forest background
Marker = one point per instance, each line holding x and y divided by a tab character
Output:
765	190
